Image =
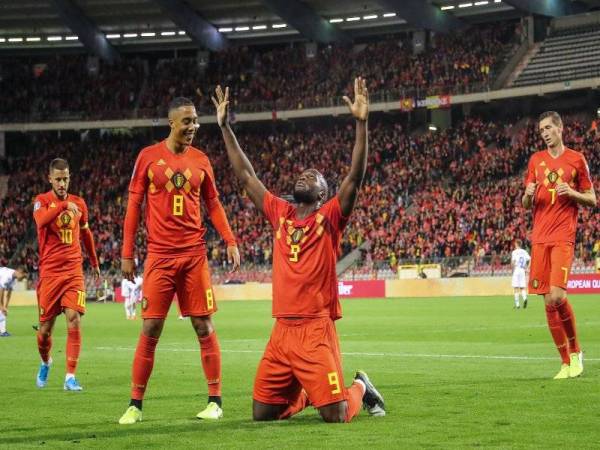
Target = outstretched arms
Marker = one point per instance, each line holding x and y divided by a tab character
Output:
241	165
353	181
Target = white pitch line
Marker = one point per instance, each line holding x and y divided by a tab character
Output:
369	354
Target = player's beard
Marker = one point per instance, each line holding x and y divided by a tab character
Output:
303	196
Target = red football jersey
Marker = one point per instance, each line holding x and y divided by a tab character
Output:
554	216
304	257
173	184
58	233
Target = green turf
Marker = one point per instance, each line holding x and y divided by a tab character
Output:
455	373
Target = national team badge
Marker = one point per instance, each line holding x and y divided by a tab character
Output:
535	283
178	180
36	206
65	219
144	303
552	177
297	235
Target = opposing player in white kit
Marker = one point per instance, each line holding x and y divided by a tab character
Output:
132	293
8	277
519	262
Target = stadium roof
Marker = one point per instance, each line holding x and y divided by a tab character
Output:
215	24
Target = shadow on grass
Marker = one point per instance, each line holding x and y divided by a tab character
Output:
36	436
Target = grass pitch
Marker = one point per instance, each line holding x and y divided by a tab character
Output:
455	373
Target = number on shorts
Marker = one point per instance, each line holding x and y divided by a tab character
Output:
334	381
295	251
178	205
553	194
81	298
566	271
66	236
209	299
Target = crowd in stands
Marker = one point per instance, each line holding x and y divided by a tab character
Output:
277	77
426	195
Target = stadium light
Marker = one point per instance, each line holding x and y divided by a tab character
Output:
389	15
33	39
336	20
54	38
370	17
130	35
15	39
113	36
278	25
149	34
259	27
181	32
444	8
242	28
2	39
71	38
497	1
465	5
167	33
482	3
352	19
432	127
225	29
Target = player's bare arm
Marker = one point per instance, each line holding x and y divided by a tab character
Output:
353	181
586	198
241	165
527	200
3	308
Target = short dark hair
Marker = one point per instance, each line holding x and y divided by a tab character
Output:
59	164
519	242
178	102
556	120
23	269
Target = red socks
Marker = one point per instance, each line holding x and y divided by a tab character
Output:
210	352
143	362
567	316
558	333
73	349
354	396
44	346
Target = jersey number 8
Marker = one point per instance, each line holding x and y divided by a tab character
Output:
178	205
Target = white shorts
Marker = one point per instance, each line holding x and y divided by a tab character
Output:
519	279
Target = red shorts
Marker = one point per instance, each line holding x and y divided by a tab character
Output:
188	276
550	266
54	294
301	353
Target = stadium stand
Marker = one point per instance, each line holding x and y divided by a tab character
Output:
277	77
568	54
427	197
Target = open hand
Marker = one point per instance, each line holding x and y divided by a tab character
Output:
222	105
360	107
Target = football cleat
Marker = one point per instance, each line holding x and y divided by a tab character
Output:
211	412
71	384
42	375
576	366
563	373
131	416
372	400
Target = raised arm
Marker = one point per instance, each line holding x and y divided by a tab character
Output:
353	181
239	161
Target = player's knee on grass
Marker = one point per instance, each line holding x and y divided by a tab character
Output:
334	413
263	412
203	326
153	327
